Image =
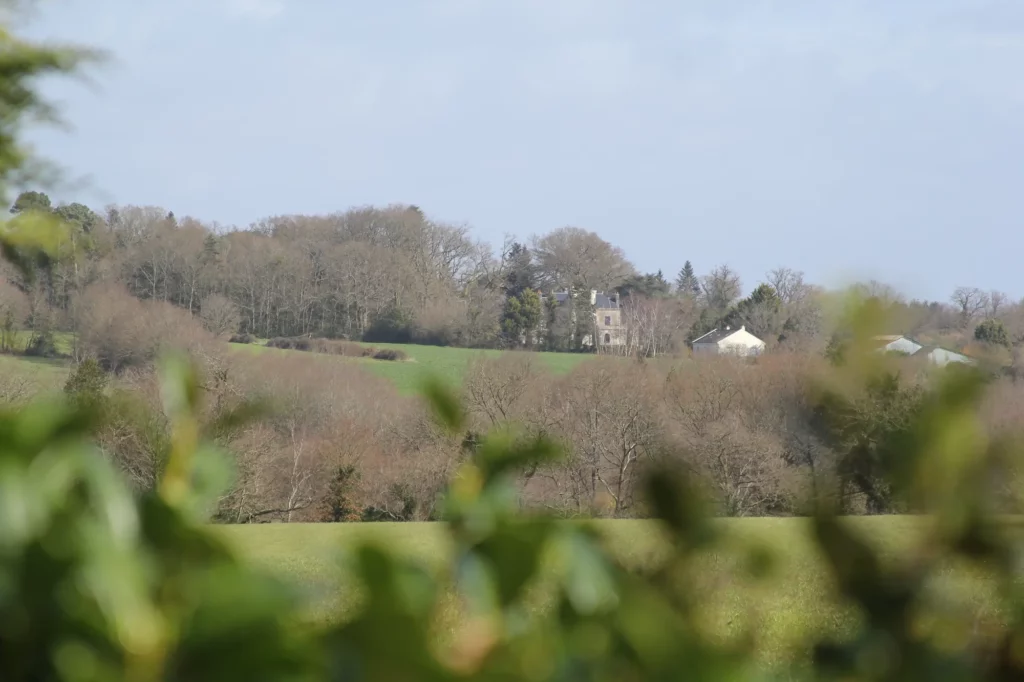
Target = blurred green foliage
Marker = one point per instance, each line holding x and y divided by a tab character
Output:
98	584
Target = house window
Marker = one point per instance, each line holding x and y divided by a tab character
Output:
607	320
607	338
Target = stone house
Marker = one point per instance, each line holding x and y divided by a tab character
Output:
606	325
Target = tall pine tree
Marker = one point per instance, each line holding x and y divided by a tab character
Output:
687	283
521	274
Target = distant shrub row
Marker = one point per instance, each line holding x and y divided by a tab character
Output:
347	349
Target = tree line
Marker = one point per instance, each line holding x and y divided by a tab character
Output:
395	274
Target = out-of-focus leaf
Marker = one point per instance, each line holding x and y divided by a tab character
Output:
444	405
587	574
513	555
681	506
504	452
45	423
179	385
389	640
212	475
476	582
247	412
234	629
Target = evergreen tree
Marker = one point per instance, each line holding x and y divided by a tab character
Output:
583	321
85	386
211	249
551	317
993	332
31	201
78	215
652	285
338	504
765	295
687	283
761	313
521	316
521	273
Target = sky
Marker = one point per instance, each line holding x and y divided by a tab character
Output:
845	139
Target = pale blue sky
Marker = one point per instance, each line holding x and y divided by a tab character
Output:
877	139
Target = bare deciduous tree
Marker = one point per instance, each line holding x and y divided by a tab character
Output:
788	285
121	331
720	288
495	388
970	302
607	417
219	315
656	326
571	257
723	439
997	302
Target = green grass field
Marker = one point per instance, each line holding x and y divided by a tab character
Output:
449	364
42	374
783	609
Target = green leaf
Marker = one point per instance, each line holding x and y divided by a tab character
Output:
513	555
588	576
504	452
444	404
245	413
179	386
212	475
680	506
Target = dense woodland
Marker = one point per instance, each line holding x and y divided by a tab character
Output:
344	445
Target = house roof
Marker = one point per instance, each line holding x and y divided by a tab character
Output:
716	335
602	300
885	339
926	350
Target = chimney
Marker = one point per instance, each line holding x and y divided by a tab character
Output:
743	327
727	327
593	296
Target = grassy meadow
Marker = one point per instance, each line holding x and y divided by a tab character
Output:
449	364
34	375
780	610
